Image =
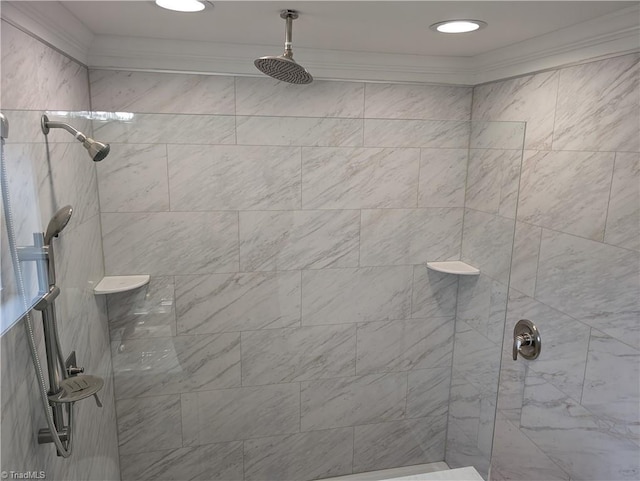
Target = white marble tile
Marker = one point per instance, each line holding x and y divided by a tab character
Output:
524	264
487	243
463	451
509	445
477	360
573	438
211	462
434	134
233	177
598	106
154	92
482	304
351	401
167	129
335	296
428	392
404	345
595	283
492	181
174	365
134	179
149	424
434	293
404	101
237	302
564	368
531	99
265	96
277	356
566	191
623	215
357	178
312	455
287	240
170	243
612	384
409	236
486	134
399	443
305	131
143	313
443	173
239	414
511	388
71	180
36	77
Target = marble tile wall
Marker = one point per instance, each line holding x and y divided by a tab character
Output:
290	329
36	78
574	413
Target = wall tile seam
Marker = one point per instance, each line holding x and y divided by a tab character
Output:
258	386
506	418
577	319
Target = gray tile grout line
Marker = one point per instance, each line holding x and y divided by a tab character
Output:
606	218
586	362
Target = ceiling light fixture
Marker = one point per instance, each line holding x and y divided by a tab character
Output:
181	5
458	26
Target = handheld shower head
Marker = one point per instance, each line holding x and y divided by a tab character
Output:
283	67
57	223
97	150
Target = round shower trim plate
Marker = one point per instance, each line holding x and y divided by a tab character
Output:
293	14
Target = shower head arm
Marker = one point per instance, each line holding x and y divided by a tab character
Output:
50	124
289	16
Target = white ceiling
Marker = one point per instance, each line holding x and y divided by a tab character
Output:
386	41
364	26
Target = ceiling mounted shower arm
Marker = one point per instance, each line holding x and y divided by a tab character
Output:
289	16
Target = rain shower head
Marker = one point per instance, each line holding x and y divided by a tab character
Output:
284	67
57	223
97	150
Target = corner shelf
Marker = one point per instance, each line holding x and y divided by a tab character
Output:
458	268
113	284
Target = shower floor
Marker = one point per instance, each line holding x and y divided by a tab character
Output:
421	472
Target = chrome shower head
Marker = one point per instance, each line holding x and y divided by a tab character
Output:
97	150
57	223
284	67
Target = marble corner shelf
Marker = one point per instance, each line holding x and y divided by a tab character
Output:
113	284
458	268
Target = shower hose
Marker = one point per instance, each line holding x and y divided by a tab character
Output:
64	448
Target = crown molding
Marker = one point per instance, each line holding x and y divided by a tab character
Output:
51	23
611	35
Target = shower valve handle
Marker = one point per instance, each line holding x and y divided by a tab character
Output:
526	340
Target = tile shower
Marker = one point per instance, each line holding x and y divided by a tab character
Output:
291	330
291	321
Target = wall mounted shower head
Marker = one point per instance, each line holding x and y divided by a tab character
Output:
283	67
57	223
97	150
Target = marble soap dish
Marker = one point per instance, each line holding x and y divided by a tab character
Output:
113	284
454	267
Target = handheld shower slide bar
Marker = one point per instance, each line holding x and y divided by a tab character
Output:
66	385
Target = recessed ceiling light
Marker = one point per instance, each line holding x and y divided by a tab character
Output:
458	26
181	5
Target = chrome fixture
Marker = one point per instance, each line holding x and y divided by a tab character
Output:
97	150
283	67
65	385
526	340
